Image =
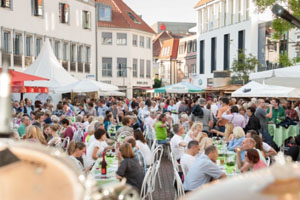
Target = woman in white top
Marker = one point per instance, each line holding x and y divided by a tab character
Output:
97	148
195	133
75	151
143	147
55	137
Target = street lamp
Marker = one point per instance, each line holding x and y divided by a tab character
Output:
284	14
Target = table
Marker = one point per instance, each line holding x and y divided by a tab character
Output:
112	167
227	162
280	134
226	159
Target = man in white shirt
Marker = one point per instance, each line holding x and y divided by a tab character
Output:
177	143
149	121
204	170
189	156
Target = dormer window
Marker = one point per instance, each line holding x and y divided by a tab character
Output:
133	18
105	13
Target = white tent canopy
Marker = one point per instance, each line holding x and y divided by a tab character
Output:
46	65
86	85
287	77
255	89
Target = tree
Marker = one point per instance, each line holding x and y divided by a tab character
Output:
284	60
280	25
157	83
243	65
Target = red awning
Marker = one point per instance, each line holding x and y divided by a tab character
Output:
142	88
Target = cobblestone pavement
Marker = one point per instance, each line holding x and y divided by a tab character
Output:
167	192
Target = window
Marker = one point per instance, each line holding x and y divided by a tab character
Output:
6	44
213	54
134	40
239	2
226	51
56	49
202	49
88	55
195	46
86	19
79	54
148	69
37	7
121	39
107	67
104	13
106	38
65	51
231	11
241	41
189	47
64	13
148	45
73	53
134	67
38	45
193	68
18	44
121	67
133	18
28	45
142	42
142	68
225	12
181	48
6	3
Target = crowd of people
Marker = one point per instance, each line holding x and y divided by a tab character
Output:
186	125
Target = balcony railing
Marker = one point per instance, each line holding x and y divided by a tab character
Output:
87	68
28	61
6	59
73	67
17	61
80	67
65	65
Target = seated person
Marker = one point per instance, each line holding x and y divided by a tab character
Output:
203	170
129	167
177	143
126	123
189	156
252	161
237	138
248	143
137	153
268	150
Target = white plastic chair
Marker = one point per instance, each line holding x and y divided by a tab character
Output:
156	159
268	160
147	185
123	135
63	144
180	189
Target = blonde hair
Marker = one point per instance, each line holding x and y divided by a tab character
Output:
205	142
196	125
35	133
228	130
238	132
100	119
184	116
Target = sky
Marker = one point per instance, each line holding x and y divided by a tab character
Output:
164	10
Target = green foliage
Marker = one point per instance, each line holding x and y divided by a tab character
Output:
284	60
243	65
157	83
279	25
296	60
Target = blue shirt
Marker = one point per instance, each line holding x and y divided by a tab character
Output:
235	143
201	172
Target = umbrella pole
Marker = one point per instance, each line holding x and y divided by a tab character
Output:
21	96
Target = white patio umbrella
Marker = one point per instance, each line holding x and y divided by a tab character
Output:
86	85
287	77
255	89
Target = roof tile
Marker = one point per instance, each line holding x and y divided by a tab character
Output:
120	18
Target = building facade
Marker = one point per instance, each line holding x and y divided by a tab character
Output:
187	58
178	28
168	62
70	26
124	47
224	29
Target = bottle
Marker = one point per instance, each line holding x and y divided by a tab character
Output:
103	164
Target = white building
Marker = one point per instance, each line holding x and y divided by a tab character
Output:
69	24
124	47
223	28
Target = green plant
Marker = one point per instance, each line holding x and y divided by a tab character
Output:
157	83
243	65
284	60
